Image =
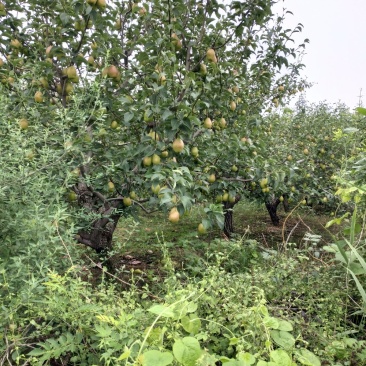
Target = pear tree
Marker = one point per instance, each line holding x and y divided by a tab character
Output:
152	104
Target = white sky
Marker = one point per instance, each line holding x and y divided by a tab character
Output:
336	55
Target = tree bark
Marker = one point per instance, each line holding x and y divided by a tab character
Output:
228	215
99	234
272	210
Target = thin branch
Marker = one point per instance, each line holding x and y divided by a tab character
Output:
144	209
63	243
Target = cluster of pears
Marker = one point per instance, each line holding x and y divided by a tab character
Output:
128	200
225	197
212	124
151	160
264	185
177	146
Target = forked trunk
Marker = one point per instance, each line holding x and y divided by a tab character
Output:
272	210
99	234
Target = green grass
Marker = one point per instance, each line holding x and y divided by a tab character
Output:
138	243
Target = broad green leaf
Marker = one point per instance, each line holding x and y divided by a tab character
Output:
283	339
187	351
284	325
307	358
191	323
156	358
191	307
281	358
262	363
246	359
271	322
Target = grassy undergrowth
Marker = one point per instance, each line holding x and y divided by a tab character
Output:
270	296
252	223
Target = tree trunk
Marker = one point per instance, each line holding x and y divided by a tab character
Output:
272	210
99	234
228	215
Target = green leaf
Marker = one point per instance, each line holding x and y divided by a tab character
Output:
186	202
156	358
307	358
271	322
191	323
125	354
162	310
191	307
246	359
36	352
283	339
281	358
284	325
128	117
187	351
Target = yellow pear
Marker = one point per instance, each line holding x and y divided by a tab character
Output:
222	122
71	72
127	201
133	195
207	123
113	72
203	69
201	229
156	159
147	161
38	97
211	178
263	183
178	145
101	4
23	124
174	215
194	151
211	56
110	186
